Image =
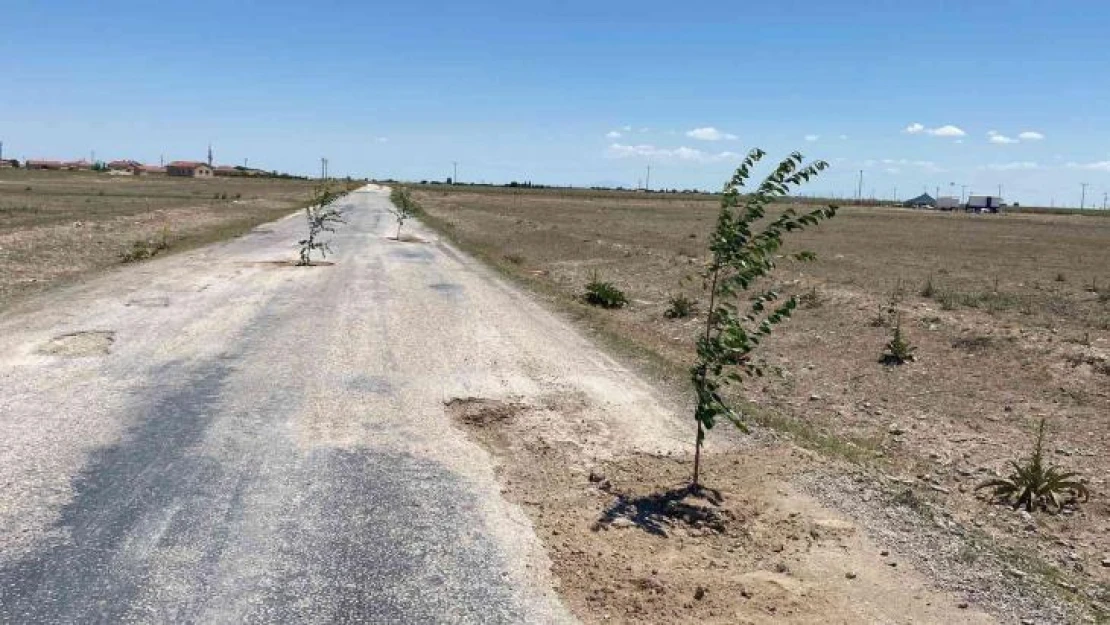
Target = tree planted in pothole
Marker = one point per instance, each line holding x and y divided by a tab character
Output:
403	207
744	248
322	217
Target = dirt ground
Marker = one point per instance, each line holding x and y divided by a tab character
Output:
1010	315
56	226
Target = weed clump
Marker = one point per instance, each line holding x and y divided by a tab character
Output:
680	307
604	294
898	349
1036	486
144	249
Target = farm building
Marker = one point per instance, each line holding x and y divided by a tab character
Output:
191	169
33	164
125	166
154	169
922	201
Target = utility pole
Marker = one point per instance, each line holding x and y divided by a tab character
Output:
1104	194
937	191
859	187
323	168
454	172
1000	191
161	160
1	150
963	187
1083	198
647	180
895	194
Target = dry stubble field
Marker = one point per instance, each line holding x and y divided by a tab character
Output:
1011	318
57	226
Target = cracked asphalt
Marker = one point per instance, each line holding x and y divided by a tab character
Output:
215	437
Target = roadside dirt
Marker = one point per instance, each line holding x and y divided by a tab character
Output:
58	226
1009	321
629	543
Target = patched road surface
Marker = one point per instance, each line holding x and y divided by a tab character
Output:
216	437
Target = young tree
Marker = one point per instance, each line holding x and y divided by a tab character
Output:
743	252
322	217
403	207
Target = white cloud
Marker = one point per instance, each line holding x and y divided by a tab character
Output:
1030	135
1014	166
892	170
382	139
709	133
612	134
947	131
1096	166
626	128
941	131
812	137
994	137
619	150
843	137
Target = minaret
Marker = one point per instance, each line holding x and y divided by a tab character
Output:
209	154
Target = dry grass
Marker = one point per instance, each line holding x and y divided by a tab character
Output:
1001	339
56	226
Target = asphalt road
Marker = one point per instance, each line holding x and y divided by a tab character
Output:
215	437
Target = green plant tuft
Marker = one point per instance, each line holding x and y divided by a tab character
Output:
604	294
1036	486
680	307
898	349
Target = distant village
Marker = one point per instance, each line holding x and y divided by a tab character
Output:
185	169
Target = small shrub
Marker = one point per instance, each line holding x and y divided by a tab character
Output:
680	307
928	290
1061	278
139	250
1033	485
898	349
811	299
27	189
604	294
515	259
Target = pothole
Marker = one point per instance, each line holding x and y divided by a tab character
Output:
481	412
289	263
80	344
149	302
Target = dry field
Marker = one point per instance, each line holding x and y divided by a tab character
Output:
1010	315
56	226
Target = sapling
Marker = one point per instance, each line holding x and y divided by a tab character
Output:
403	207
322	217
742	252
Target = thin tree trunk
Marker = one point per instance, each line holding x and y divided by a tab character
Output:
696	485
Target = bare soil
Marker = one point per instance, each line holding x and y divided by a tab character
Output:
57	226
1010	315
630	542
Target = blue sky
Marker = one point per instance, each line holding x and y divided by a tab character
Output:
576	92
